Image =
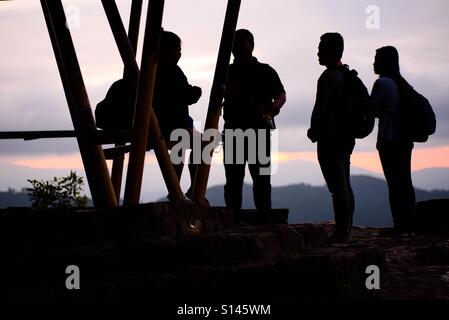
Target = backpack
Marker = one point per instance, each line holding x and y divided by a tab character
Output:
116	110
359	111
417	118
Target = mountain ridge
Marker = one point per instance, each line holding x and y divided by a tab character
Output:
309	203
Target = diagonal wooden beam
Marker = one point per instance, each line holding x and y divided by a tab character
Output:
127	46
81	113
145	121
217	94
133	36
121	38
134	24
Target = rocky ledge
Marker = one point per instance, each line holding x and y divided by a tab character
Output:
178	251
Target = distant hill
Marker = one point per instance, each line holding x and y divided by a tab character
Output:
12	198
432	178
313	204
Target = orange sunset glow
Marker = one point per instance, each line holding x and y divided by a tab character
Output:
422	159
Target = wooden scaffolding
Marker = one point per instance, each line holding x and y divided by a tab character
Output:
105	187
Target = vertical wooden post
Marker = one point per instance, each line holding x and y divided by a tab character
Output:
145	118
217	93
127	45
81	113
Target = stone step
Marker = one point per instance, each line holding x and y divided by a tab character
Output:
276	216
103	260
226	248
26	229
34	232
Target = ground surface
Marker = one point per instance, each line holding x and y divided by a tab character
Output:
167	251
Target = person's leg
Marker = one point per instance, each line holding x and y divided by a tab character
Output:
334	169
261	188
194	159
178	169
409	191
192	172
396	163
233	189
347	170
235	174
387	162
169	144
261	175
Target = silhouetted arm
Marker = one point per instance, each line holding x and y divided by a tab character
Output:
377	97
279	95
385	96
176	90
278	102
318	109
187	94
192	94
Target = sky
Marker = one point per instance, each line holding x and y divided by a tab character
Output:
286	36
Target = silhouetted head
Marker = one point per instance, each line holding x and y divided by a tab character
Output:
170	47
243	45
330	49
386	62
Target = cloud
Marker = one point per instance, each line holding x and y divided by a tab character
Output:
32	149
287	34
17	6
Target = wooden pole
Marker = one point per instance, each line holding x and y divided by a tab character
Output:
217	94
133	36
121	38
81	113
145	118
127	45
134	24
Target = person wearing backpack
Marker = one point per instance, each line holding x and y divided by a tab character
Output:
394	142
172	97
328	128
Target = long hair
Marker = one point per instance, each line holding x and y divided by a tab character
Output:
389	57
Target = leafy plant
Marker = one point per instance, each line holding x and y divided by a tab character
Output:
62	192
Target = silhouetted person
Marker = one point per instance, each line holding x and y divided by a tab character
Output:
395	148
254	95
334	145
173	95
